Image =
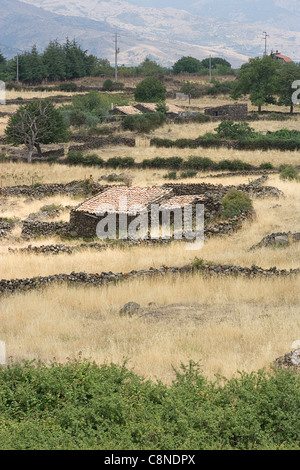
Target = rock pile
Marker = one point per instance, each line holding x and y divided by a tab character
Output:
5	227
290	360
277	239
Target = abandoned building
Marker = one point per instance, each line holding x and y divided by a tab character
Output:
228	112
132	201
173	110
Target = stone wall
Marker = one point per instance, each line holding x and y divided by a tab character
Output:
34	229
39	191
10	286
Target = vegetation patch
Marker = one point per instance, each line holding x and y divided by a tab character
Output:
234	203
84	406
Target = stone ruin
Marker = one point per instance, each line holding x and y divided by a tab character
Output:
228	112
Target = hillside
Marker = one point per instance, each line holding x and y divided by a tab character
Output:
164	34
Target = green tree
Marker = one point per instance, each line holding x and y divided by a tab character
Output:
257	79
150	90
54	61
150	68
187	64
75	60
36	123
31	67
215	61
3	67
288	73
191	89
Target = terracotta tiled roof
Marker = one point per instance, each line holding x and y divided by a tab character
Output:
283	57
113	199
178	202
172	108
129	110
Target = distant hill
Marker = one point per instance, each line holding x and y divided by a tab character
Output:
232	29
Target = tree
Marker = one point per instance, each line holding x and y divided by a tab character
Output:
187	64
36	123
31	67
288	73
215	61
258	79
150	90
3	67
191	89
54	61
151	68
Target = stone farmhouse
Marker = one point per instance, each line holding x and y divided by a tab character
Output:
132	201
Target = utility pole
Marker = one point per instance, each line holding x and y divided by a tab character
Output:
265	38
17	68
210	69
117	50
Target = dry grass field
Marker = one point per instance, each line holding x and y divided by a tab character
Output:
227	324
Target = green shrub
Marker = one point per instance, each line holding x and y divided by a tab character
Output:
75	157
93	160
234	165
188	174
266	166
83	406
150	90
108	85
122	162
199	117
234	203
157	162
289	172
167	143
199	163
231	130
69	87
172	175
78	117
144	123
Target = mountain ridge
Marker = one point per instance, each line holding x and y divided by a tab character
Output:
162	34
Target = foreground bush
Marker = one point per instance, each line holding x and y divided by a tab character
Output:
84	406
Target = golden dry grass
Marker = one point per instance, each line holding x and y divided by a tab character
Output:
228	325
193	130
